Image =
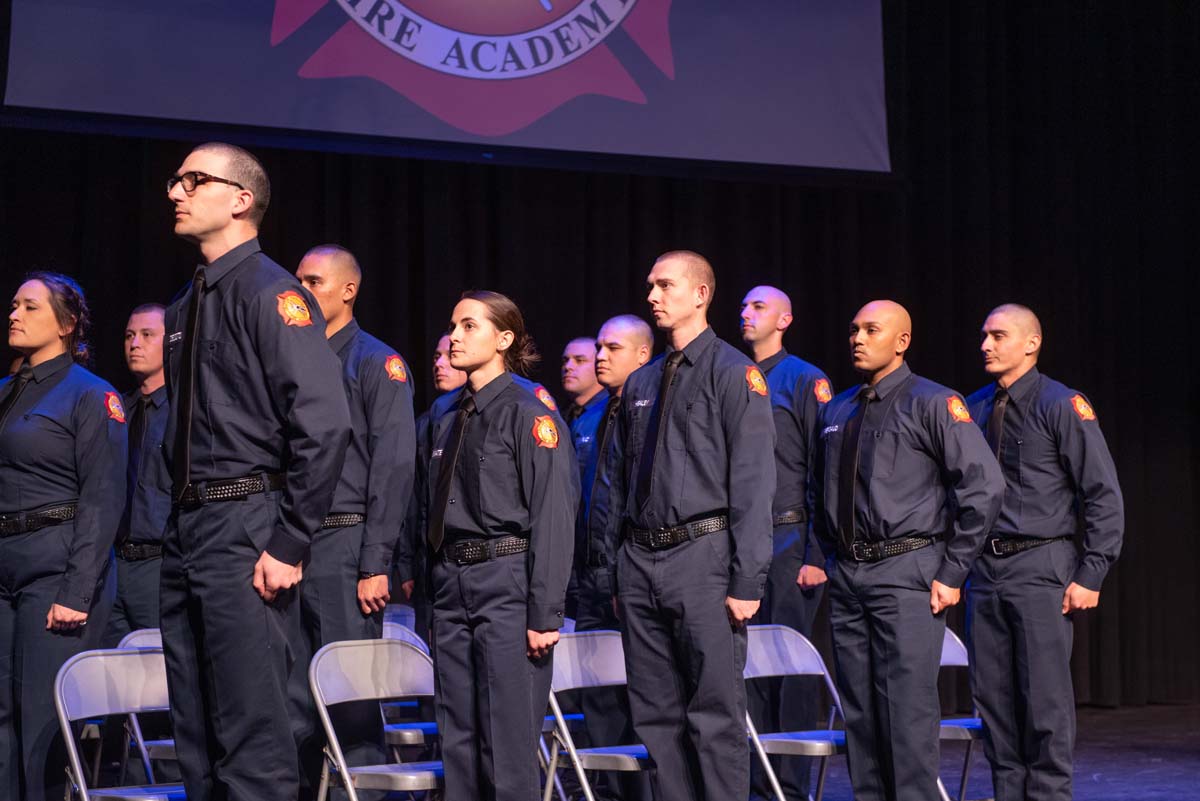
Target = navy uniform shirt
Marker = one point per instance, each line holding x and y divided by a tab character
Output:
924	470
583	434
65	442
515	476
799	390
377	478
597	528
714	457
149	504
268	397
1056	467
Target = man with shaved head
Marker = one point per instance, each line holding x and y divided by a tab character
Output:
798	390
346	586
692	568
1030	578
906	490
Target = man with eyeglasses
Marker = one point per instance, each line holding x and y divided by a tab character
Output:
257	434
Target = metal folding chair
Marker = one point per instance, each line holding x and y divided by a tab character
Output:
400	615
585	660
142	638
150	750
370	670
111	682
968	730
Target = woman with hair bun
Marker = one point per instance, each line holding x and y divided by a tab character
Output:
62	490
503	493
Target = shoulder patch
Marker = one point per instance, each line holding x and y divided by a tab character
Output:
755	380
823	391
958	409
542	394
395	368
112	405
293	309
545	431
1083	408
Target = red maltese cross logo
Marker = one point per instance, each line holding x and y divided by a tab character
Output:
487	68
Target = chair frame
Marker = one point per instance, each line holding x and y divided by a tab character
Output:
955	654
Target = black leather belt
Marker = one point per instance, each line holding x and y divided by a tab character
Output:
230	489
1009	546
138	551
595	560
342	520
789	518
863	551
23	522
657	539
470	552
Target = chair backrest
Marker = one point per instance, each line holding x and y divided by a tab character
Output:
142	638
369	670
400	614
588	659
954	653
394	631
568	625
774	650
111	682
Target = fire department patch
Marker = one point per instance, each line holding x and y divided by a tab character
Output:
1083	408
545	432
822	390
395	368
958	409
755	380
112	404
293	309
545	397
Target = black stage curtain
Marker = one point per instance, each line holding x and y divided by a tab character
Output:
1044	155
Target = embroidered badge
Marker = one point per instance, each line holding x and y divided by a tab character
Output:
755	380
395	368
293	309
958	409
545	432
822	390
112	404
1083	408
546	398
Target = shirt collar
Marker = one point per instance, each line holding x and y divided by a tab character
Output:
768	364
599	399
694	349
344	336
224	265
52	366
1024	385
892	380
494	387
158	397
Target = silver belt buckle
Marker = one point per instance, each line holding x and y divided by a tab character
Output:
994	543
858	549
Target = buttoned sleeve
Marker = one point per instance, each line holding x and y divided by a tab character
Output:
812	397
972	477
1086	458
749	442
549	485
303	377
391	453
101	443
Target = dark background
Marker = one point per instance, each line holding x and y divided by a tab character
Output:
1043	155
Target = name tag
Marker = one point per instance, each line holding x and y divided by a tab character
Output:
437	453
829	430
583	440
178	335
642	403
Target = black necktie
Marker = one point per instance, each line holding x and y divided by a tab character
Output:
15	388
182	456
441	495
573	413
653	431
848	468
996	421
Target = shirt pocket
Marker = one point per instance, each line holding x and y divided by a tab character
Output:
700	428
884	454
219	371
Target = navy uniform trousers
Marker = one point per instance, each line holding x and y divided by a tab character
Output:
887	647
491	698
786	704
684	662
136	606
329	612
215	624
31	575
1020	651
606	717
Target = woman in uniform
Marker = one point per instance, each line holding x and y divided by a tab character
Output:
62	490
501	521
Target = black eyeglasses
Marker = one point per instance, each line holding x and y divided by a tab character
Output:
191	180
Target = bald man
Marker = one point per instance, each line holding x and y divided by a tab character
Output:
906	490
799	391
1031	578
345	586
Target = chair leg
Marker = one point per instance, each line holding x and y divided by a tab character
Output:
94	779
544	762
551	770
822	774
966	771
323	787
942	794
